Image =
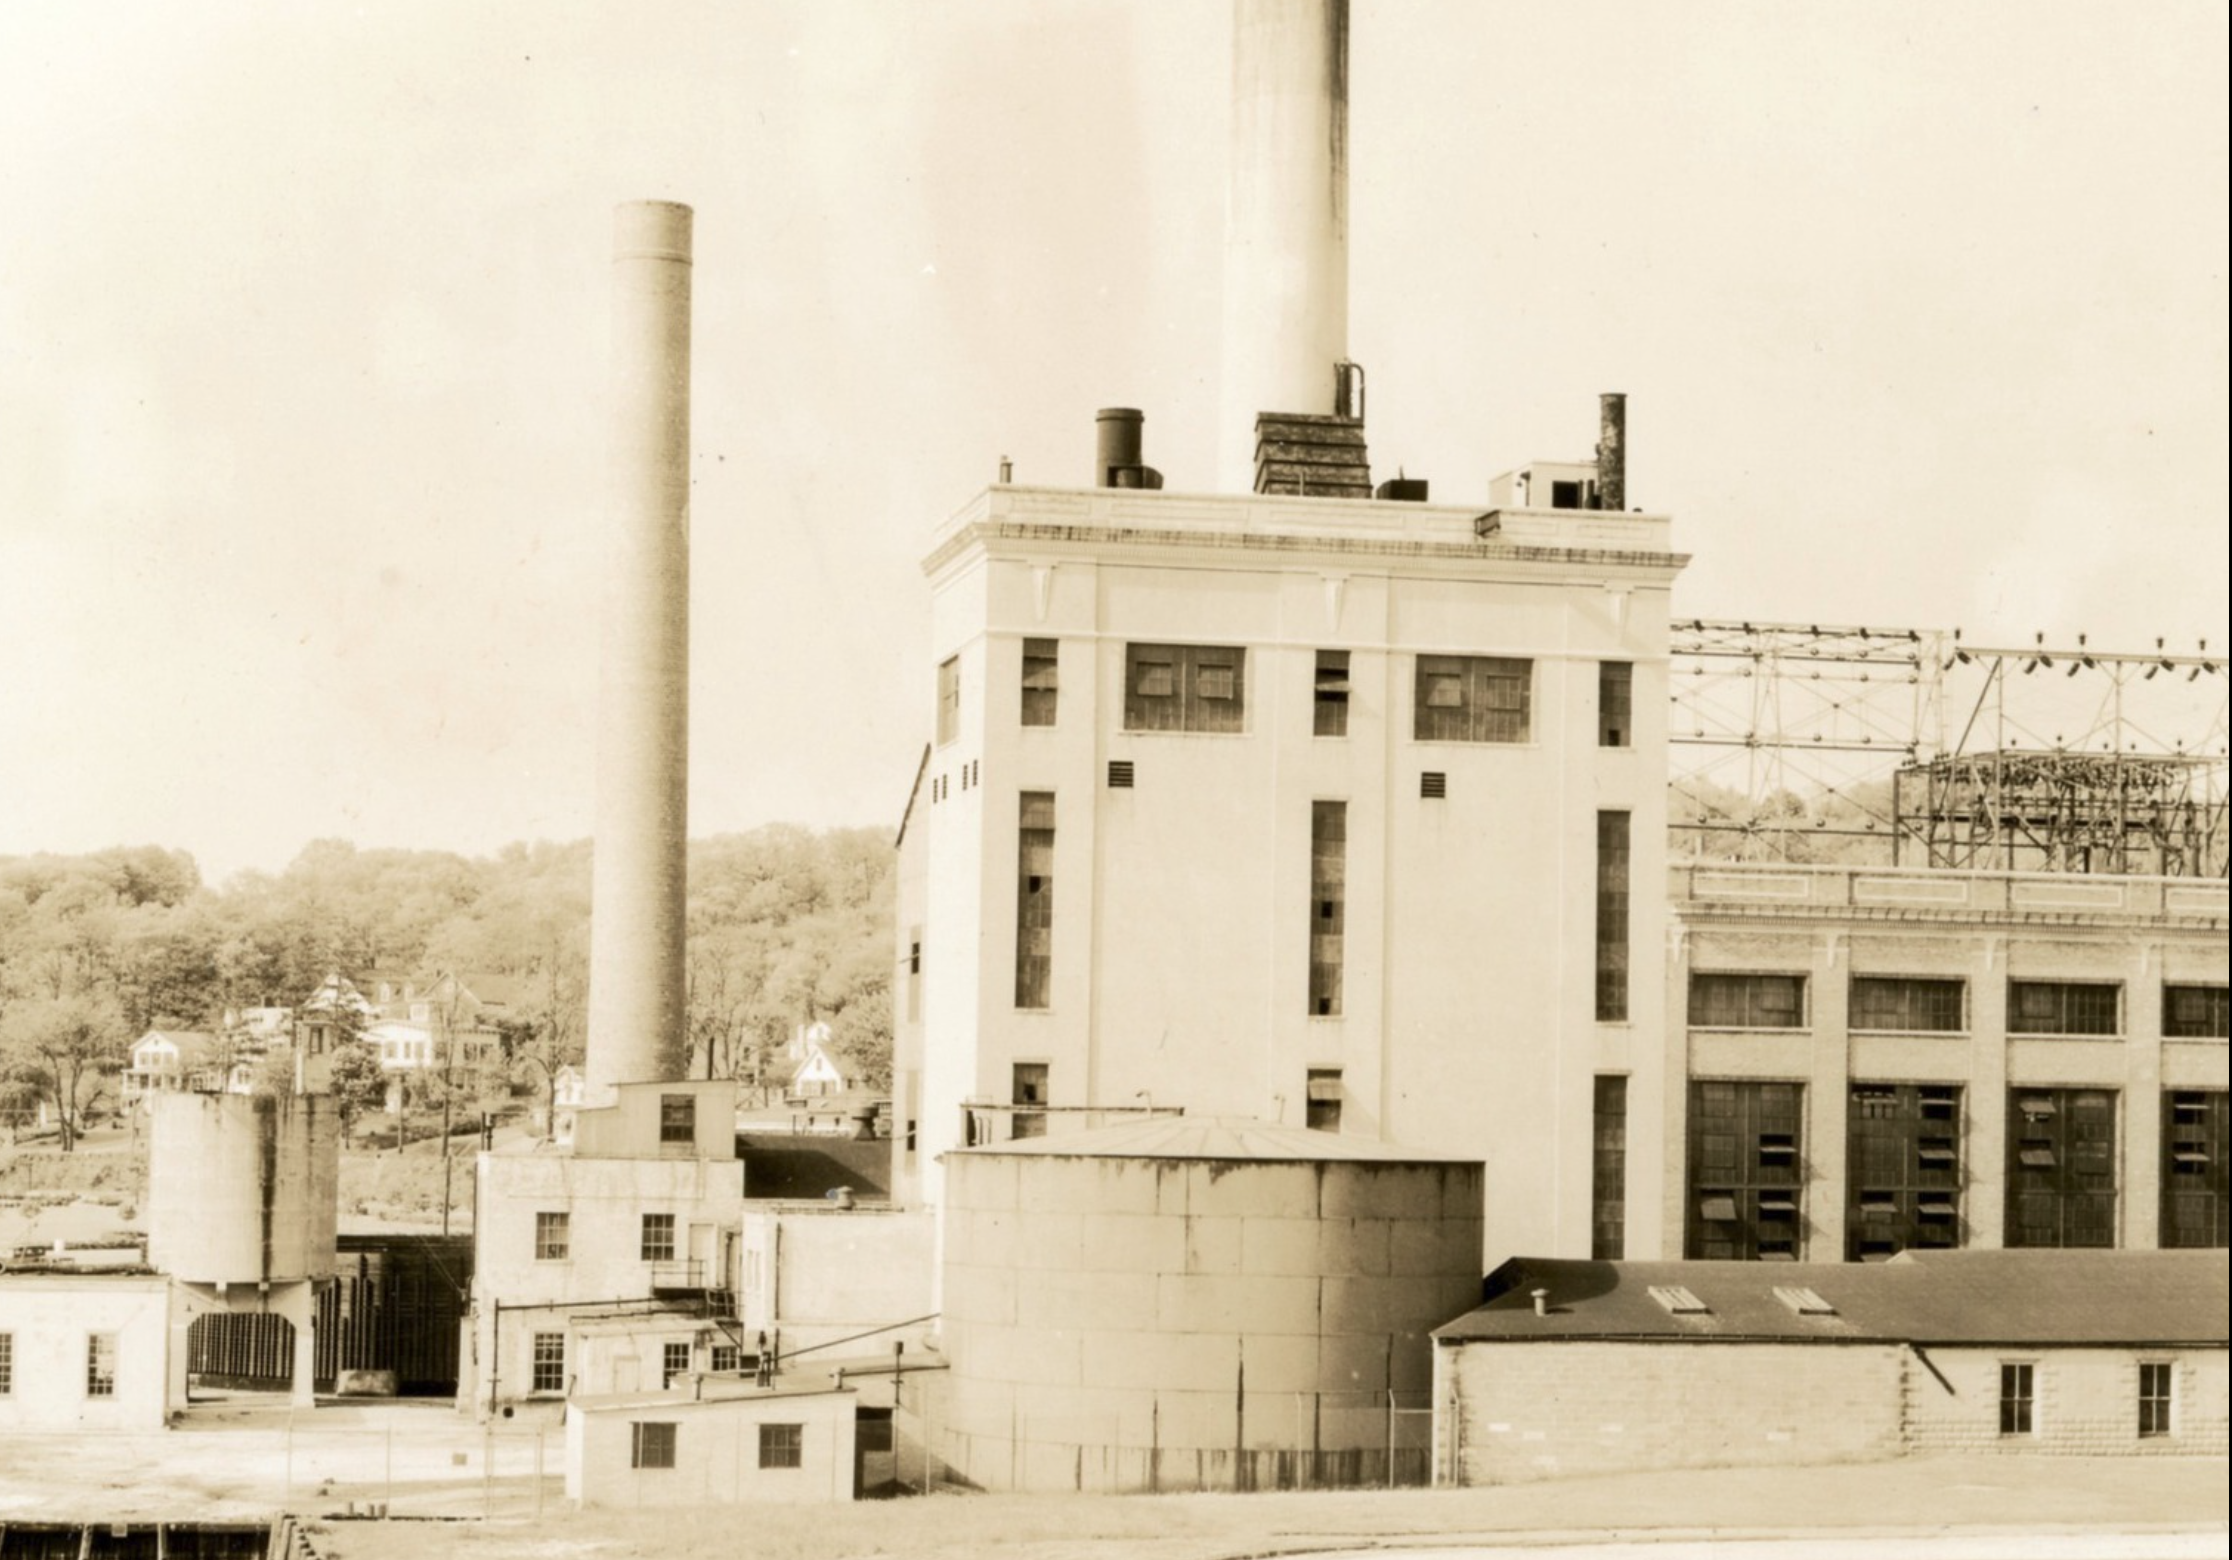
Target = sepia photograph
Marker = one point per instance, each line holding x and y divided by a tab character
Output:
1115	780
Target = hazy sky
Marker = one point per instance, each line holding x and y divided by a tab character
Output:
1921	309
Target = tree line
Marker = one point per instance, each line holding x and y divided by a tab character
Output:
786	927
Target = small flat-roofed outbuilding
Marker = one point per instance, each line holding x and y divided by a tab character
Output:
713	1443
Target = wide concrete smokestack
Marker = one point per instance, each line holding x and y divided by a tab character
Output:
636	1017
1286	221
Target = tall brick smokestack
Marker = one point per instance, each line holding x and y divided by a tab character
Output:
636	1016
1286	221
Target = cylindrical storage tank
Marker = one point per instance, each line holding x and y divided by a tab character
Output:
241	1188
1198	1303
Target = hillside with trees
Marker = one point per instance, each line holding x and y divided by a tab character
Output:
786	926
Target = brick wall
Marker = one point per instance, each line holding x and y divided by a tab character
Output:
2085	1402
1507	1412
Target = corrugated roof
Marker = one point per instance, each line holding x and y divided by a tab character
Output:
1947	1297
1211	1137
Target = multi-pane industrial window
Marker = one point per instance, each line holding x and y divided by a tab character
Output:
678	1118
1473	698
2018	1384
2157	1384
674	1362
2194	1200
1028	1083
1185	688
1331	719
1746	1176
949	699
1615	703
2064	1007
547	1364
651	1445
1903	1176
658	1237
7	1363
553	1237
2195	1013
782	1446
1321	1109
1608	1175
1747	1001
1897	1005
1034	901
2061	1167
1041	681
1328	903
1612	917
724	1359
100	1365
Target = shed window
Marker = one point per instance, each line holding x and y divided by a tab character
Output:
782	1446
2017	1384
2157	1383
651	1445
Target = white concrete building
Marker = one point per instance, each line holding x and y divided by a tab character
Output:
84	1351
1171	731
593	1265
721	1445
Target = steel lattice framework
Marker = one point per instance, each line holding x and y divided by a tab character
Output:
1907	746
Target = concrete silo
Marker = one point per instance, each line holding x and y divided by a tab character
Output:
1197	1303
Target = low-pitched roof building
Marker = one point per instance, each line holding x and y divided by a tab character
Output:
1575	1366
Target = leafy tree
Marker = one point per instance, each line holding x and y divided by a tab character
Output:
62	1046
359	1087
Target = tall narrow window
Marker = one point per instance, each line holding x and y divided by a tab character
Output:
1185	688
674	1362
1321	1109
1746	1176
100	1365
2018	1385
2156	1384
949	699
2194	1190
1612	917
658	1238
1903	1169
1332	693
914	975
547	1364
1028	1085
1034	901
7	1363
2061	1167
1041	681
1615	703
1473	698
1328	904
1608	1176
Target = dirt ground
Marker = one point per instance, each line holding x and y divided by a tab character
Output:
451	1488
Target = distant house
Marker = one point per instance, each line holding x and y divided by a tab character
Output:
815	1075
1579	1367
166	1061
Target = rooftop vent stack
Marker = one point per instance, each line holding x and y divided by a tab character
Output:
1286	221
1612	450
1117	447
636	1017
